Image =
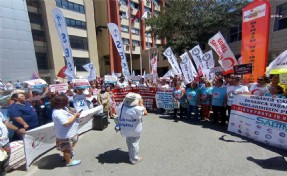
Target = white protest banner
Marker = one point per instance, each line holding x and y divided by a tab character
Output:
60	23
283	79
164	99
36	83
196	54
92	70
260	118
136	78
153	63
209	75
187	68
226	57
17	157
61	88
116	35
278	65
172	60
81	83
111	79
39	140
207	60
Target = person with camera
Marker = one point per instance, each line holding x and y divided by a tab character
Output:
130	122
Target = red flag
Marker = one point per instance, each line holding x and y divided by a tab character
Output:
61	73
136	16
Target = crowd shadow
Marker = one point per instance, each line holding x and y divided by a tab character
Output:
222	138
115	156
50	162
274	163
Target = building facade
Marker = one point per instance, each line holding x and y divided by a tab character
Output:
139	41
80	21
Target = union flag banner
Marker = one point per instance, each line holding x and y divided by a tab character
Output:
255	37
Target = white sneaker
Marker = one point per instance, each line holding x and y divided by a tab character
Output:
137	161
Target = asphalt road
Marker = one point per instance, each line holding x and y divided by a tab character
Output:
188	147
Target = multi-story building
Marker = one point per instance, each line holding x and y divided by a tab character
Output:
277	35
138	38
80	21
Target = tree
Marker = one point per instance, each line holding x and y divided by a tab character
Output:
186	23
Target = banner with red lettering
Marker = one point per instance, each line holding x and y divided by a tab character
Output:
226	57
261	118
147	93
255	37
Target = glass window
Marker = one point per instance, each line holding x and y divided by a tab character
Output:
146	9
126	41
58	3
82	10
135	31
235	32
124	28
135	43
79	42
78	24
77	7
281	17
64	4
80	61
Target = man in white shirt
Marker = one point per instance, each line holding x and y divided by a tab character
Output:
260	87
122	83
142	83
163	85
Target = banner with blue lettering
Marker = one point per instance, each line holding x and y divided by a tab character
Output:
172	60
61	27
164	99
261	118
116	35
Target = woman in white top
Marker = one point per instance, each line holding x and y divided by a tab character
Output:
66	128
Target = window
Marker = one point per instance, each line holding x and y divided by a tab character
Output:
80	61
281	22
75	23
124	2
135	43
38	36
146	9
70	5
235	33
126	41
136	19
123	15
124	28
35	18
135	31
148	45
148	34
79	42
42	61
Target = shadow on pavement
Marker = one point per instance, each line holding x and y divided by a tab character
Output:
113	157
50	162
275	163
222	138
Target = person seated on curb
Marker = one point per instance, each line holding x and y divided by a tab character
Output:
130	114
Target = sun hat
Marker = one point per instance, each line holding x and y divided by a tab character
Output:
132	99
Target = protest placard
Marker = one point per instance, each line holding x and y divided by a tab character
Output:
81	83
111	79
242	69
260	118
164	99
283	79
36	83
63	87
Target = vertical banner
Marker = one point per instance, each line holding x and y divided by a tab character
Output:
153	63
187	68
116	35
226	57
61	27
207	60
92	71
196	54
172	60
255	37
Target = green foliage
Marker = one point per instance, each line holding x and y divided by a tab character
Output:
186	23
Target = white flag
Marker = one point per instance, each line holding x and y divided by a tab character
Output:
187	68
144	16
279	63
153	62
60	23
196	54
226	57
172	60
207	60
209	75
92	71
116	35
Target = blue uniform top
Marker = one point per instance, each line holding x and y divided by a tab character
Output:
205	93
218	94
192	96
26	111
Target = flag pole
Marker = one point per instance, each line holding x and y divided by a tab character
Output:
130	35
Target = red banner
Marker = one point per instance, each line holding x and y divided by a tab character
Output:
148	95
255	37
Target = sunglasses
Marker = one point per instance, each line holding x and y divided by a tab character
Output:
260	79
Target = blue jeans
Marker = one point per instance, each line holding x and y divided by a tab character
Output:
193	109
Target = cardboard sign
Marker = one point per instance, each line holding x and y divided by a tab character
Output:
81	83
111	79
63	87
242	69
164	99
283	79
36	83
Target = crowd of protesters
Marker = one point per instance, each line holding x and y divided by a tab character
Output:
30	108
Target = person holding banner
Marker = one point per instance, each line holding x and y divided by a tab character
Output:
122	83
205	100
218	94
66	128
276	91
178	97
192	95
259	88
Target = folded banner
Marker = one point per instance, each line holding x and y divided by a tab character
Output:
226	57
278	65
260	118
92	70
172	60
81	83
153	63
61	88
116	35
187	68
61	27
36	83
